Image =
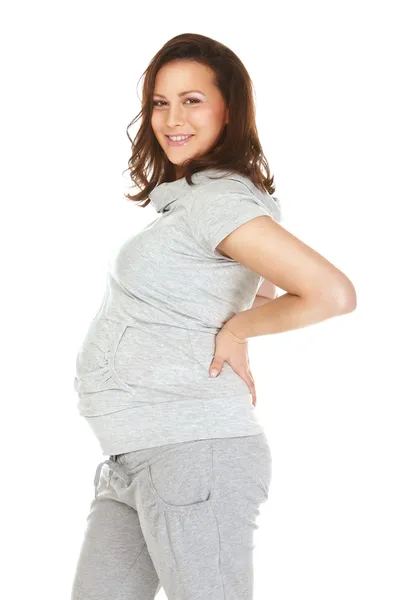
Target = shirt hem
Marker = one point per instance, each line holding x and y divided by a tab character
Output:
154	425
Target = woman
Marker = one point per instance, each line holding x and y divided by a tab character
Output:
176	502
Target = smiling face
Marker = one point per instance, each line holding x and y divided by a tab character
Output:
185	101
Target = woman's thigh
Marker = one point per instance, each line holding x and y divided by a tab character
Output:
198	504
181	515
113	563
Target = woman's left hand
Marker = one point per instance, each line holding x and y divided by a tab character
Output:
234	351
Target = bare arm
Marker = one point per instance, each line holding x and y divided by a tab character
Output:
260	300
316	289
265	293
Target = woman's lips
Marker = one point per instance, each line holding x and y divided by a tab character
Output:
180	142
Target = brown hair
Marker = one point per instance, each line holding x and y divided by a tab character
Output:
237	150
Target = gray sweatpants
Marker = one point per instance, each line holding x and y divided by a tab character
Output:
181	516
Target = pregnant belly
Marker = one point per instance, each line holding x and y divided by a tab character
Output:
116	356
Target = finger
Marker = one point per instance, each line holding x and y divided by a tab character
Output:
248	378
216	366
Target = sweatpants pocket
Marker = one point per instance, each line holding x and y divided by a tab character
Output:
182	477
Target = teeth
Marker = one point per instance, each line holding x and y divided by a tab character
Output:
178	138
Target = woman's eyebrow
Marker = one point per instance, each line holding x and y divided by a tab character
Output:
182	93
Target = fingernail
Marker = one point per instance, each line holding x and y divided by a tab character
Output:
214	372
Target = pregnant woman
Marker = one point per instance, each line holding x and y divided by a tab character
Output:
188	464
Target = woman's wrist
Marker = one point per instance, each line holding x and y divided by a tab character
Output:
228	330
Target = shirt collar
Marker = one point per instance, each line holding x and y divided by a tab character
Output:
164	194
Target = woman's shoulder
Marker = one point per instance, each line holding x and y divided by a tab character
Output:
214	184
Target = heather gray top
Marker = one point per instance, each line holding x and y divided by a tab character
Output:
142	369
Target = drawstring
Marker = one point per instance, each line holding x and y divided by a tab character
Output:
113	467
97	475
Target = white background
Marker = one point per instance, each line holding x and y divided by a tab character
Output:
326	79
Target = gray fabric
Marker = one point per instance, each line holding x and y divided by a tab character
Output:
142	369
180	516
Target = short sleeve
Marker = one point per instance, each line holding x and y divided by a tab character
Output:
220	207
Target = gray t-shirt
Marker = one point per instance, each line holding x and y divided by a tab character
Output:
142	371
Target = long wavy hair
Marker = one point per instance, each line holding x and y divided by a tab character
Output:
238	148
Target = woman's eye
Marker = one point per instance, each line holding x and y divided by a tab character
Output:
155	103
